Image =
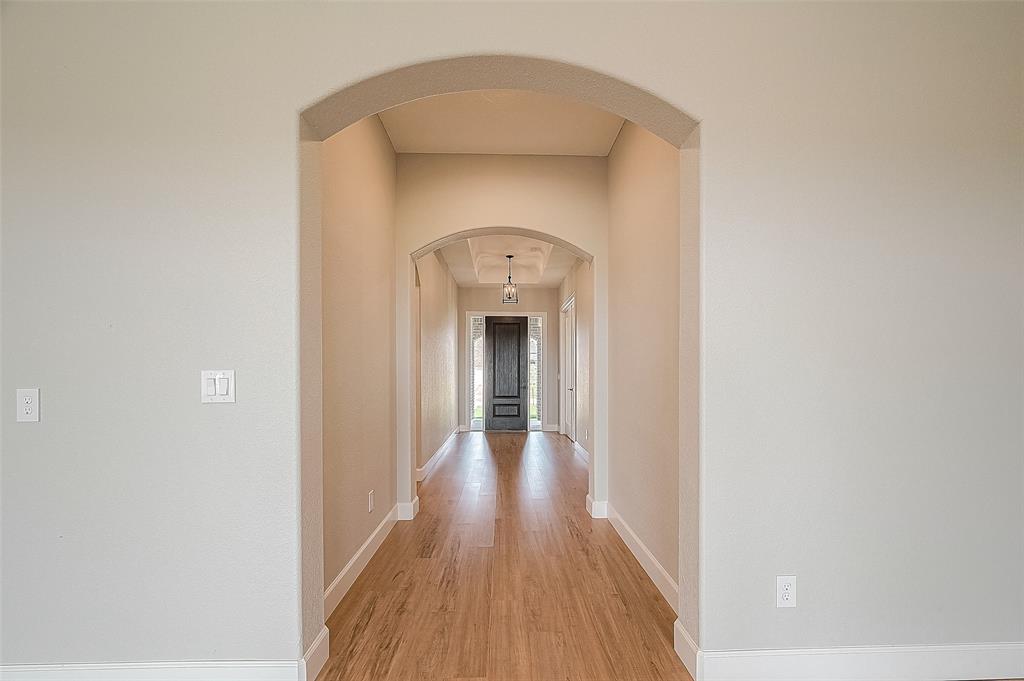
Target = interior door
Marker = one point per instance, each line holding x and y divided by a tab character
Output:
506	374
569	334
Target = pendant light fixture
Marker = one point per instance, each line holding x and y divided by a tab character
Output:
509	294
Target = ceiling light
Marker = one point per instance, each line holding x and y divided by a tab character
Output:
509	294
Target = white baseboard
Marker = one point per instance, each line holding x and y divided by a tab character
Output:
875	663
597	509
550	428
407	510
463	428
581	452
343	582
422	472
686	648
316	657
655	570
181	670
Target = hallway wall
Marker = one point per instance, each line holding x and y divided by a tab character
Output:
531	299
689	386
438	324
358	186
561	195
311	381
643	339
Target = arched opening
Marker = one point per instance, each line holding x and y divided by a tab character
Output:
584	232
341	109
547	270
487	231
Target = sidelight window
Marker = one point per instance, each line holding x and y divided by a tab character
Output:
536	372
476	373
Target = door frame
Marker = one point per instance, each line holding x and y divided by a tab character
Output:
467	412
568	355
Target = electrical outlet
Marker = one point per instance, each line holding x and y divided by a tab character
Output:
369	502
785	591
28	404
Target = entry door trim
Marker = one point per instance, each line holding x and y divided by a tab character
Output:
546	335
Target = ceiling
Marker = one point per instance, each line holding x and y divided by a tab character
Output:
501	122
480	261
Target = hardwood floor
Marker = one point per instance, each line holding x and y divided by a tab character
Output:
503	575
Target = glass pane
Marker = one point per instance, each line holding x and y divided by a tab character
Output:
536	372
476	375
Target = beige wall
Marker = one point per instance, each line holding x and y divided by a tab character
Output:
444	193
311	394
438	396
689	386
643	339
862	318
358	186
488	299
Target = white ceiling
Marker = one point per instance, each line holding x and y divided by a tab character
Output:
480	261
501	122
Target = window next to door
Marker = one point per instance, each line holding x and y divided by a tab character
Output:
536	372
476	373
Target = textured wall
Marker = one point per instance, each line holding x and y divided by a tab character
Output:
438	324
643	339
358	186
689	386
311	383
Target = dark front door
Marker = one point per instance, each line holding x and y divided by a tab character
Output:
506	374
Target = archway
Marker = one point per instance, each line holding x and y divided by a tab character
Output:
487	231
550	311
355	102
484	72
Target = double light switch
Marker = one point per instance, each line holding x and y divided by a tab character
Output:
218	386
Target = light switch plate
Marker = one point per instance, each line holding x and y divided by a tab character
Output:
28	405
217	386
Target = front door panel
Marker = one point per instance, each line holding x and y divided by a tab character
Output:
506	373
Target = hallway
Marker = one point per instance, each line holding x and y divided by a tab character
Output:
503	575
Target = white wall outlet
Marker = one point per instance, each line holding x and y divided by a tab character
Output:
369	502
217	386
28	404
785	591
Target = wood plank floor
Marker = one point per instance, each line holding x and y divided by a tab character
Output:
503	575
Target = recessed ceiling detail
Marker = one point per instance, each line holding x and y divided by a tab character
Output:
481	261
489	261
501	122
